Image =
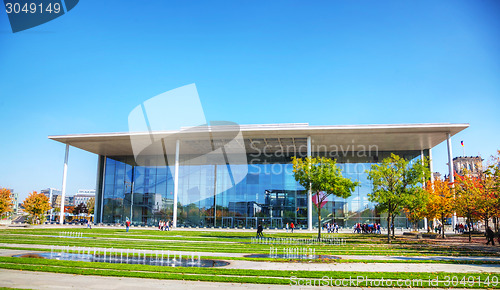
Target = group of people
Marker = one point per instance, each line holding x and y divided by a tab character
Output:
331	228
164	225
367	228
292	226
438	228
260	229
461	228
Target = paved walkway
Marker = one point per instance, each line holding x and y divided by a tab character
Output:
365	267
51	281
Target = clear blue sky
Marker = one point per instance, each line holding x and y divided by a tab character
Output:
321	62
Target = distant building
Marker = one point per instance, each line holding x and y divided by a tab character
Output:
436	175
52	194
471	165
83	196
15	200
68	201
230	176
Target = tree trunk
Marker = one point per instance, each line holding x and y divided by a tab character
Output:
319	221
389	228
442	227
393	228
469	222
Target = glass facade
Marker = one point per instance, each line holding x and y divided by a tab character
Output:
208	197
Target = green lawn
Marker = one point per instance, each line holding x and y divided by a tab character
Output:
235	242
226	242
231	275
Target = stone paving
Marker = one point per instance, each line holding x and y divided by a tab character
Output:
50	281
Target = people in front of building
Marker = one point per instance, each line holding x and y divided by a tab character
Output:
292	226
260	229
490	236
287	227
127	224
89	225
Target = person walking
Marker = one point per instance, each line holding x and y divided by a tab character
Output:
292	226
490	236
259	231
127	224
287	227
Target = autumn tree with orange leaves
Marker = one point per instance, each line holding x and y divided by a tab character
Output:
487	199
492	187
469	193
5	201
441	200
36	204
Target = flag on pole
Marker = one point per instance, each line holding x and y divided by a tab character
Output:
462	143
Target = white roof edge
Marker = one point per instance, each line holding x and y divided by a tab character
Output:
284	126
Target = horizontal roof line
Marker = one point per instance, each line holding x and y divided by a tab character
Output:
270	127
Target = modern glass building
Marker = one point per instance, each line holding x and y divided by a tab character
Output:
237	176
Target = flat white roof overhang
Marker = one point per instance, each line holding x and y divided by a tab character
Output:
386	137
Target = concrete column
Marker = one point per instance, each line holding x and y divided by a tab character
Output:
451	176
422	162
102	189
63	193
50	202
423	184
176	183
309	192
430	165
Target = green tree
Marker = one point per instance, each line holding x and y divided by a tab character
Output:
324	178
415	207
36	204
396	184
5	201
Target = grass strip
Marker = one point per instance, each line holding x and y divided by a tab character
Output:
283	279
